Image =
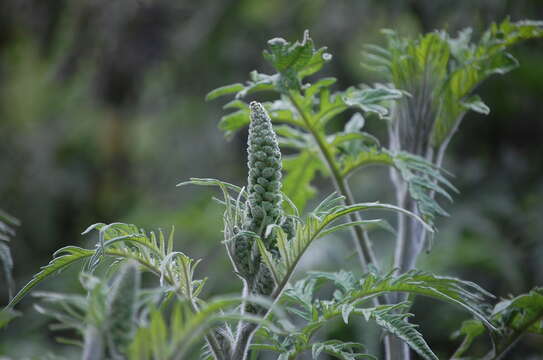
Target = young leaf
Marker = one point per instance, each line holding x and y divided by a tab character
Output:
301	169
6	232
62	258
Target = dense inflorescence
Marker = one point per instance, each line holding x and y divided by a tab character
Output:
264	181
263	206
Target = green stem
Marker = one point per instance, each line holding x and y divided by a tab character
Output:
360	237
515	337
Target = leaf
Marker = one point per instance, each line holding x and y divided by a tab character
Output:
395	323
7	265
340	350
122	304
454	291
234	121
6	232
356	123
301	169
6	315
211	182
318	222
372	100
470	329
224	90
364	157
442	71
475	103
62	258
475	63
294	61
367	225
522	313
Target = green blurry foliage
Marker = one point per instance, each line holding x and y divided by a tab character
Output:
266	233
89	136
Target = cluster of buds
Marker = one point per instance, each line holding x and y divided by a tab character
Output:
263	206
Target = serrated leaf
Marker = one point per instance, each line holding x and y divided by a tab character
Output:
372	100
62	258
294	61
397	324
301	169
340	350
346	310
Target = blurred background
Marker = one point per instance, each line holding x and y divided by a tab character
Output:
102	112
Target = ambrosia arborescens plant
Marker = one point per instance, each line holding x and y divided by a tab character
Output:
267	230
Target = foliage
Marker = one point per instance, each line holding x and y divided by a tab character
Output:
6	232
513	317
350	298
441	72
266	230
303	111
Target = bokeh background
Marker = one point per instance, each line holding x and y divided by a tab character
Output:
102	112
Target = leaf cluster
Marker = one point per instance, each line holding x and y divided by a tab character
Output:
351	296
441	71
302	114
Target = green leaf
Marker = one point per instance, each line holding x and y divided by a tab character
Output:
372	100
301	170
232	122
465	294
7	264
355	124
211	182
294	61
367	225
522	313
315	88
441	72
6	315
224	90
62	258
475	103
122	301
364	157
6	232
317	224
395	323
340	350
470	329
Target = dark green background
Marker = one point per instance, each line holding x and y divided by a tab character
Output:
102	112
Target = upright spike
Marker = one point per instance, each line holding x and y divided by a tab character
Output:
264	180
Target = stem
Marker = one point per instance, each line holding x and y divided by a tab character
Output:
360	237
395	348
515	337
241	347
210	338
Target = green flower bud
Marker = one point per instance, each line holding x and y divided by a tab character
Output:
264	172
264	284
241	254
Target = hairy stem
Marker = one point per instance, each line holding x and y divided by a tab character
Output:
515	337
360	238
245	336
395	348
216	349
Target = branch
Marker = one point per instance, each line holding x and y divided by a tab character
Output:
360	238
